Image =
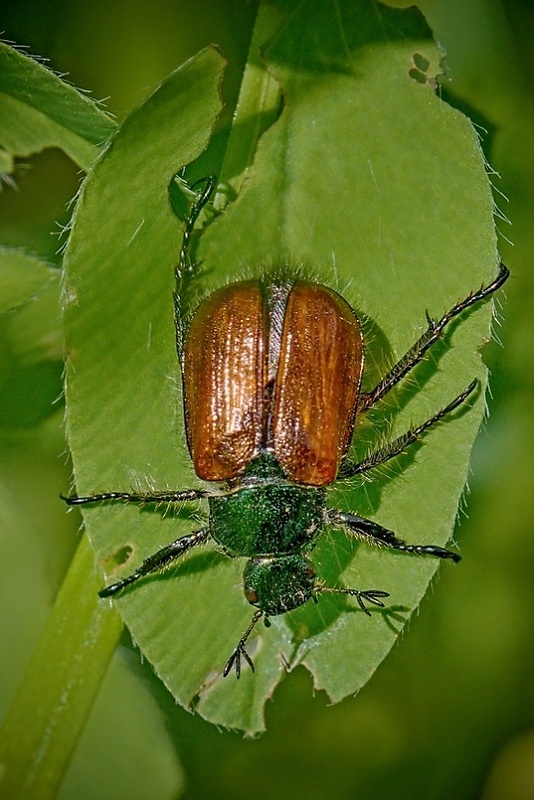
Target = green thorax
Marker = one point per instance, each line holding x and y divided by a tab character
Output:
266	515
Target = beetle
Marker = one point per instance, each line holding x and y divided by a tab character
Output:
272	372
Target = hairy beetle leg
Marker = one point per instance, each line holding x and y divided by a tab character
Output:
399	445
159	561
165	496
372	532
432	334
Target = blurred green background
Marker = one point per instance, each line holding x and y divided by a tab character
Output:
450	712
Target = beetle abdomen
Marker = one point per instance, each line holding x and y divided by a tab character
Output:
317	386
272	368
224	375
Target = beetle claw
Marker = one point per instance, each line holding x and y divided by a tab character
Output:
372	596
235	661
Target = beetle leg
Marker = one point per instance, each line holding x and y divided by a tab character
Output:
433	333
165	496
374	533
399	445
159	561
203	197
235	658
185	267
370	595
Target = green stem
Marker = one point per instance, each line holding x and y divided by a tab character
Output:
60	685
257	108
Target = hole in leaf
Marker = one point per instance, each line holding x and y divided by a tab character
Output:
118	558
421	62
417	76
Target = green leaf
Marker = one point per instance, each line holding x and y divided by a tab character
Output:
118	299
31	342
60	686
39	110
22	277
368	182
